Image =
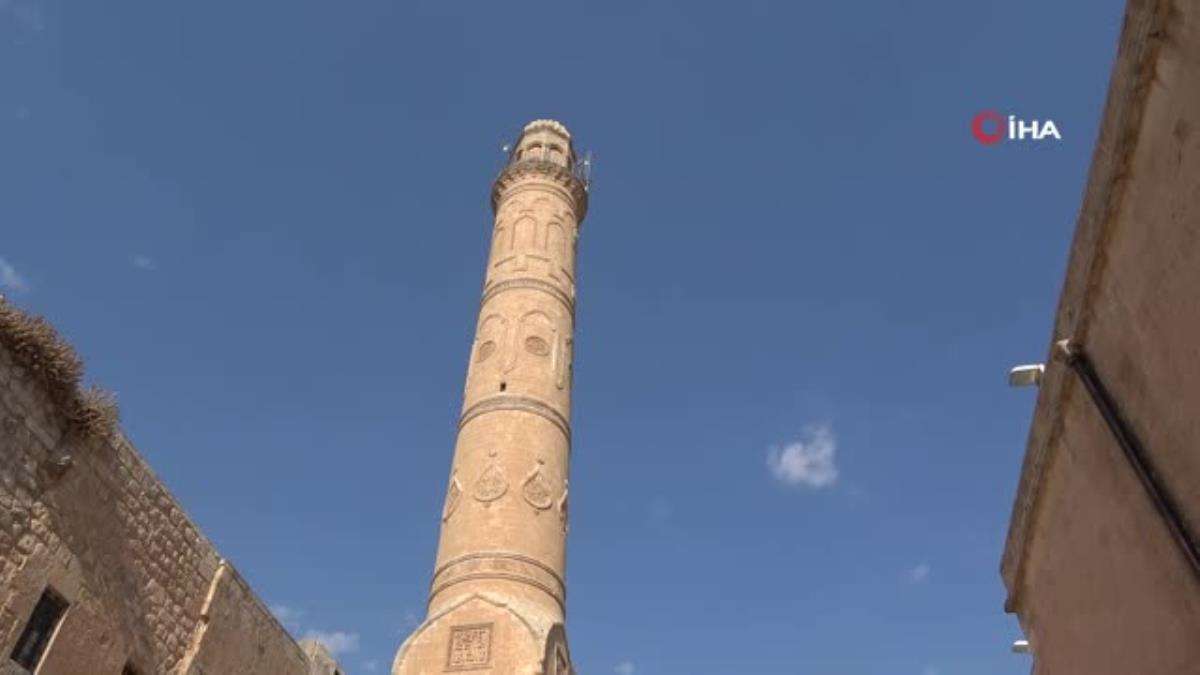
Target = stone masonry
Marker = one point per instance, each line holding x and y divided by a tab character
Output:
497	602
146	592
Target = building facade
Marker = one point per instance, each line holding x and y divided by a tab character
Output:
497	601
101	571
1101	562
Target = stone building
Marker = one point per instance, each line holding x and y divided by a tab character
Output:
101	571
497	602
1101	561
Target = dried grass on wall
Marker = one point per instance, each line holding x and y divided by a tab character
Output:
88	413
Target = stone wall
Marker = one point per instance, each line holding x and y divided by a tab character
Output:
146	588
1098	582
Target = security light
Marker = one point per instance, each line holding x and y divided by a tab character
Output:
1021	647
1028	375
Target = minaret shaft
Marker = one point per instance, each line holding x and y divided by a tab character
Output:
505	516
504	522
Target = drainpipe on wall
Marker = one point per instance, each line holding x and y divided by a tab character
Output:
1131	446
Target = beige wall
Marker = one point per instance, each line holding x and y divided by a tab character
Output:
144	584
1098	583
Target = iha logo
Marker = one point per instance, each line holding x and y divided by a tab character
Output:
990	127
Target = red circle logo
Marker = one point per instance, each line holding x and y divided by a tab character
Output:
983	135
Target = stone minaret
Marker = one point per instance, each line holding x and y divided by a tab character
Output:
497	602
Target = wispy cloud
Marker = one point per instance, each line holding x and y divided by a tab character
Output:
9	278
143	262
337	642
918	574
807	461
288	616
624	668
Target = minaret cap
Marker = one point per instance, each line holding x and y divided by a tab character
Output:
551	125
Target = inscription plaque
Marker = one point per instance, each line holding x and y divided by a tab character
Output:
470	647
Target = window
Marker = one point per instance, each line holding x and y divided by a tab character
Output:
129	669
47	613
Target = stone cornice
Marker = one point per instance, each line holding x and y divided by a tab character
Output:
499	565
532	283
520	403
576	188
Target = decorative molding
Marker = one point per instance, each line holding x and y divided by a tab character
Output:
572	186
500	555
529	283
501	565
519	403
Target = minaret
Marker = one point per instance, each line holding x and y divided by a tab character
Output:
497	602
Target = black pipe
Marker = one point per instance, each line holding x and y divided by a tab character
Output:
1134	452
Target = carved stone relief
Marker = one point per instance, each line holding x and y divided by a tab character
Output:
470	647
536	489
564	366
491	484
537	335
453	494
534	233
561	665
563	506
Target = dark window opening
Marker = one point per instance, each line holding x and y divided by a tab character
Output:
129	670
503	386
31	646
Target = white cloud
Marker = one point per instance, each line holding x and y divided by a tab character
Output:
918	574
624	668
285	613
337	642
288	616
143	262
10	279
806	461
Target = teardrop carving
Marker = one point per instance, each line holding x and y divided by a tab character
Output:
491	484
453	495
537	490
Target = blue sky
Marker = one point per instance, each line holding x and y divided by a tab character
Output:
264	226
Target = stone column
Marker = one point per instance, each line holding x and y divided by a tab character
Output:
504	521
